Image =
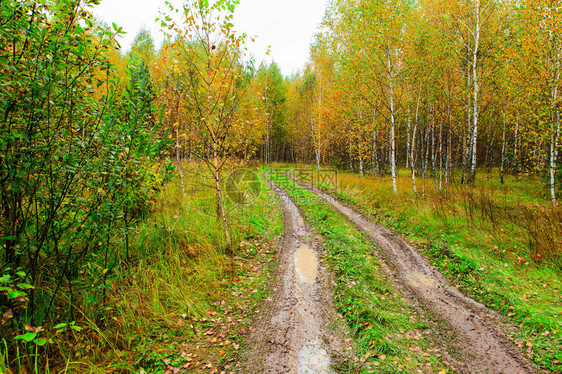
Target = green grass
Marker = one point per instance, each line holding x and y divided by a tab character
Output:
389	335
183	302
500	244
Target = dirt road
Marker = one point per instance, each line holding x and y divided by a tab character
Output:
297	334
483	348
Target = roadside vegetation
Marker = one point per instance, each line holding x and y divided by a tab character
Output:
499	243
181	302
107	259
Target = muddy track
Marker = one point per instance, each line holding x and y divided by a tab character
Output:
483	346
297	334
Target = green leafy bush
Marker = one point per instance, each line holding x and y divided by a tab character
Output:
76	164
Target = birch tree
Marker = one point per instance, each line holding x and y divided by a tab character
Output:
539	67
211	52
473	27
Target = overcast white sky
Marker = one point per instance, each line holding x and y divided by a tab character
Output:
286	25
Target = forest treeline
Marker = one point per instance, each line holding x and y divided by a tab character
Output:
433	86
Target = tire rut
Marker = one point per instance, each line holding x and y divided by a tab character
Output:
296	335
484	348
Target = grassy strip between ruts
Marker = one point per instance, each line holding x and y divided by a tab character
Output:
184	304
488	260
389	334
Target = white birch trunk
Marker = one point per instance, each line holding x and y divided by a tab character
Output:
449	139
408	141
413	148
476	89
361	158
440	155
554	134
503	150
350	151
375	154
515	143
466	136
392	124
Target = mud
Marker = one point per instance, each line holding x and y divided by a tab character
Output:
483	347
297	333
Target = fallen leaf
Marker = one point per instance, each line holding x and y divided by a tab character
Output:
6	317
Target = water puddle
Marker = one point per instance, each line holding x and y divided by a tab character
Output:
313	359
416	279
306	264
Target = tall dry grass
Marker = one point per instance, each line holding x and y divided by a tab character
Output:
519	207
